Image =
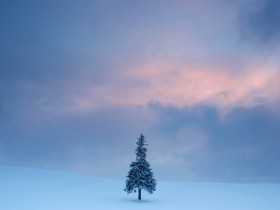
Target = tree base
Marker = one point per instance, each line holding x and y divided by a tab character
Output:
139	194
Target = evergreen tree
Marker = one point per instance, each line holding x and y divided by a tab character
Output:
140	175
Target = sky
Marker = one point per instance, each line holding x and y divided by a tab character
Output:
80	80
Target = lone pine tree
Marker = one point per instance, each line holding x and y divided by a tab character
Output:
140	175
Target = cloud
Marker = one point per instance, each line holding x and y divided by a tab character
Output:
85	55
261	22
80	80
179	84
243	147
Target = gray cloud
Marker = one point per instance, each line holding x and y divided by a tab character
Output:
243	147
260	22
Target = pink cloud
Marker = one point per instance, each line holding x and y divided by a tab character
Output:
177	84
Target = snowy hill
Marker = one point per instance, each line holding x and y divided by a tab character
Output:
36	189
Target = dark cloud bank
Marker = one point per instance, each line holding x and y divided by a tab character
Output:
243	147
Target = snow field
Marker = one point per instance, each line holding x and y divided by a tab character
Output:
36	189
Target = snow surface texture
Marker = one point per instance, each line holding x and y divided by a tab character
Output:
36	189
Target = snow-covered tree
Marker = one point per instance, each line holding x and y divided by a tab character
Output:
140	175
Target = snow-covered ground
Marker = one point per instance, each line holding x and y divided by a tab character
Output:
36	189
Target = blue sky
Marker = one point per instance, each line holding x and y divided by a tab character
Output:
80	80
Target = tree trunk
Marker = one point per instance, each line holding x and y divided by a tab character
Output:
139	194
